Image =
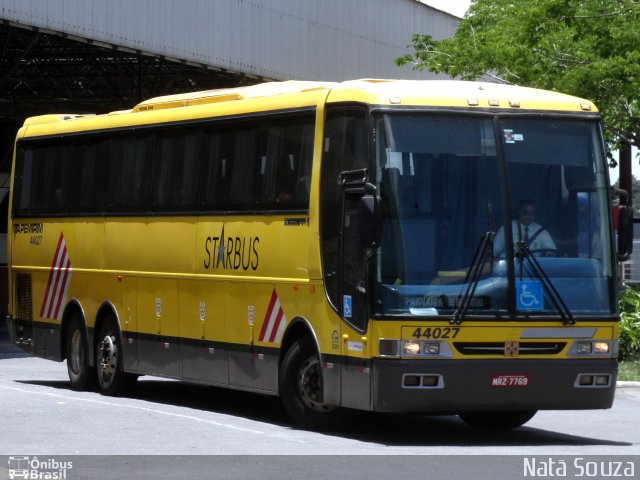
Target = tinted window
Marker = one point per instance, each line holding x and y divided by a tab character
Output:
130	162
284	171
175	172
228	168
46	185
87	183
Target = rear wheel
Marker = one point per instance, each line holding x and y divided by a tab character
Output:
81	375
497	420
301	388
112	380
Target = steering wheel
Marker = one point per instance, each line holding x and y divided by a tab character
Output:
548	252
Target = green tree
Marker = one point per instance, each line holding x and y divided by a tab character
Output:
588	48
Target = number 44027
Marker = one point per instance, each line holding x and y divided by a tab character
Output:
435	332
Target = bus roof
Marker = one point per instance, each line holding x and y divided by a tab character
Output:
291	94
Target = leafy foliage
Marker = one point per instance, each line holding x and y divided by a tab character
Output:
589	48
630	324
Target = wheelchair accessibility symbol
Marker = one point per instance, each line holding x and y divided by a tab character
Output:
529	295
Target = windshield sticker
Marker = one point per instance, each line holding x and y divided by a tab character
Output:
510	137
394	160
529	295
346	306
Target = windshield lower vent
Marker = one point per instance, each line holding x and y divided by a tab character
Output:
496	348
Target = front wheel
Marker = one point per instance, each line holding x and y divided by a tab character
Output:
497	420
112	380
300	384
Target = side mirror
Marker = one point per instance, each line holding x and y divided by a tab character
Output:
370	221
625	232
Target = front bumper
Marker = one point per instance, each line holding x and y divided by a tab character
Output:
472	385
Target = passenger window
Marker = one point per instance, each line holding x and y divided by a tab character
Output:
87	174
130	173
48	180
175	172
285	154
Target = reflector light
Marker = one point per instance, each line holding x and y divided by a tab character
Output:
586	380
514	103
473	102
411	381
494	103
430	381
586	107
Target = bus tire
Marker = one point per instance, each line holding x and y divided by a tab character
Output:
497	421
112	380
300	387
81	375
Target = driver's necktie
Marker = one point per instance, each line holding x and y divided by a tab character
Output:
526	235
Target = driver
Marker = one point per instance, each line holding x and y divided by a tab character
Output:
535	236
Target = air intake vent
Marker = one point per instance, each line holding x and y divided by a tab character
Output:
495	348
24	310
24	298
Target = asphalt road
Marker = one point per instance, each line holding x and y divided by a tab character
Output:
42	416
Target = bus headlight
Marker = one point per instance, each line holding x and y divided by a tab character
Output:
411	347
583	347
431	348
601	347
594	347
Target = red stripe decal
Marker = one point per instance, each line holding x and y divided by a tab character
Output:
265	324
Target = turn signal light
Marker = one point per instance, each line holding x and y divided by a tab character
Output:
388	348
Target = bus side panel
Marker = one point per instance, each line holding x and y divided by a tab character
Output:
204	354
157	303
249	305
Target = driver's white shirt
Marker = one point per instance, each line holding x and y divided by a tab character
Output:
541	241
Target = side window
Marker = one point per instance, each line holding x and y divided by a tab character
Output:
227	170
22	180
239	170
48	179
345	148
87	173
175	172
285	152
130	163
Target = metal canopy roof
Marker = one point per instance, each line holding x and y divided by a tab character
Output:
45	72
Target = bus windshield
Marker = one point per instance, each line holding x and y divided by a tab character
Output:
460	211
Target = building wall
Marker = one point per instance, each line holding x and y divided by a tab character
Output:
280	39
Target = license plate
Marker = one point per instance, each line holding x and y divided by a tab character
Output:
500	380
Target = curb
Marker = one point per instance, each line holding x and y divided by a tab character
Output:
627	384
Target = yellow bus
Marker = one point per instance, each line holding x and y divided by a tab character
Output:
388	246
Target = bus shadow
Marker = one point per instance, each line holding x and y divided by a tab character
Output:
394	430
9	350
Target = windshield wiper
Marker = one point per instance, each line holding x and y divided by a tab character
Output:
523	253
484	251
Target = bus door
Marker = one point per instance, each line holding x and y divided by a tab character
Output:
356	372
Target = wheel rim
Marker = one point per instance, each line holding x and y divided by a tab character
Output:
107	359
76	357
310	385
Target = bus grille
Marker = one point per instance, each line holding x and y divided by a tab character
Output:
496	348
